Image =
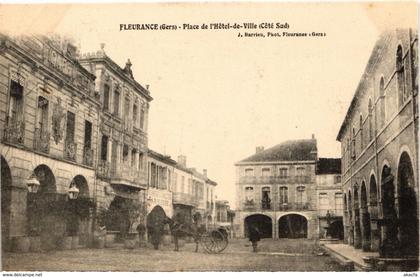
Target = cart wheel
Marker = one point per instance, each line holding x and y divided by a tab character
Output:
214	242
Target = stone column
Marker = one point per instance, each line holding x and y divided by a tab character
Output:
357	230
374	228
365	228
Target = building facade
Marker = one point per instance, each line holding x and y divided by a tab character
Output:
225	217
330	198
379	146
275	190
49	128
160	174
122	139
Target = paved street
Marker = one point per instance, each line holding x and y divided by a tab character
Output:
281	255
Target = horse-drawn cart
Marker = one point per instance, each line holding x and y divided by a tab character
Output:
213	241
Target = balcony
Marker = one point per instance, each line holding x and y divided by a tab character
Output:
103	169
250	205
70	150
266	204
274	179
183	199
333	213
14	132
124	174
41	140
88	156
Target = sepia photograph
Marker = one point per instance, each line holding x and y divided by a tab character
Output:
209	137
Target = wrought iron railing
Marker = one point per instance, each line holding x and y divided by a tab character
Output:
103	169
41	140
274	179
70	150
88	156
14	131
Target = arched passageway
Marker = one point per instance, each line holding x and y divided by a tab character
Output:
409	227
293	226
374	213
118	219
78	221
365	218
155	224
357	227
389	244
43	220
262	222
6	185
337	229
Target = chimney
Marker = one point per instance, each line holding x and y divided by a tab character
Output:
182	160
205	172
313	136
259	149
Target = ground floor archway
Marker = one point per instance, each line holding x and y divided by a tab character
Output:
337	229
118	219
262	222
6	185
293	226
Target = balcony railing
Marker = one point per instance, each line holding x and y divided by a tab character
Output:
88	156
70	150
125	174
183	198
333	212
275	179
253	206
41	140
14	132
103	169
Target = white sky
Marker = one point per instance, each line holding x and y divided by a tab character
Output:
217	96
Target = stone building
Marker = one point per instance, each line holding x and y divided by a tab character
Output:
330	198
275	190
49	129
159	192
379	146
122	139
193	193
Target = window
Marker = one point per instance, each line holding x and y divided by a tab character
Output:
249	194
133	157
300	171
300	196
106	97
42	115
338	202
116	102
134	114
141	161
284	195
402	95
152	175
382	102
370	126
323	202
104	148
142	118
249	172
265	172
361	132
70	127
415	57
125	153
88	135
265	198
16	103
283	173
126	107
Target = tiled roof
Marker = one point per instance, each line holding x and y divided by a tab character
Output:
292	150
328	166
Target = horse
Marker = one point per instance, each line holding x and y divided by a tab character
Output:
179	230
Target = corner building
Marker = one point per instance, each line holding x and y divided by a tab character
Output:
379	146
276	190
48	129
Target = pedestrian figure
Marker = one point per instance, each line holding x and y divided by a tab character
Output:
254	237
141	229
177	223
